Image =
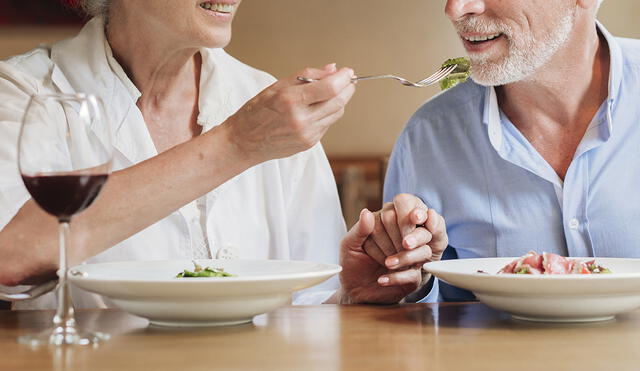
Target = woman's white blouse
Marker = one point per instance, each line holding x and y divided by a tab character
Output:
280	209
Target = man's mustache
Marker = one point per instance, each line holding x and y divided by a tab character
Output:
481	26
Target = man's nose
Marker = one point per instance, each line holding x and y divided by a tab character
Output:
458	9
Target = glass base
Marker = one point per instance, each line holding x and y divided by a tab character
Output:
63	336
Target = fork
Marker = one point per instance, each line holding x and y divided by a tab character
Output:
433	79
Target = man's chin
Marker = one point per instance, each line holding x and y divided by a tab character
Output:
488	73
495	80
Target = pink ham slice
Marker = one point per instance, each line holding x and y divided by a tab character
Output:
534	262
531	262
556	264
509	268
545	263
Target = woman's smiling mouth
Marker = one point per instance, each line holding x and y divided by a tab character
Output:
218	7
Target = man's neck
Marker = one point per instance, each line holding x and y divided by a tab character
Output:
567	91
554	108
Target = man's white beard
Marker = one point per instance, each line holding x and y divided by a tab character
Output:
524	56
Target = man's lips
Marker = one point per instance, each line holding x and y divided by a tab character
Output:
481	37
480	43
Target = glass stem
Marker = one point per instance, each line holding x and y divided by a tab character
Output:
64	319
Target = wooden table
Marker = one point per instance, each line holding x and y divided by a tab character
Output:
332	337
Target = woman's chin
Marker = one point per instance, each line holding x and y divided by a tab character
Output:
215	40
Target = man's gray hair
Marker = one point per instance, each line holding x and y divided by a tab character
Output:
96	7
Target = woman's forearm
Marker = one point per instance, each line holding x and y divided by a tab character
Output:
286	118
132	199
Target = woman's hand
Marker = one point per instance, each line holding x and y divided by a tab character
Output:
291	116
382	255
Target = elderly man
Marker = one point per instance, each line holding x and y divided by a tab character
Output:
538	151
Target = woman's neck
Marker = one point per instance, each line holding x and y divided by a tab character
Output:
160	67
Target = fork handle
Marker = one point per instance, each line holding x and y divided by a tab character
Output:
353	79
373	77
306	79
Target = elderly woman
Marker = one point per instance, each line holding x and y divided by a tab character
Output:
213	159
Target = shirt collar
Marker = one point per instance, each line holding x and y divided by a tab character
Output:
81	65
491	118
616	61
215	101
85	63
119	72
213	83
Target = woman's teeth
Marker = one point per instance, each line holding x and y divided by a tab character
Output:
220	8
482	38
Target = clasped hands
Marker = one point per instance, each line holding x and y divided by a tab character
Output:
383	253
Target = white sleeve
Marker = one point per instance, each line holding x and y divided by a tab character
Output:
315	222
15	91
16	88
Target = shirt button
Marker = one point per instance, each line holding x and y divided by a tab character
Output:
574	224
228	252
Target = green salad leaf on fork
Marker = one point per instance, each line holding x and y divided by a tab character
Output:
460	74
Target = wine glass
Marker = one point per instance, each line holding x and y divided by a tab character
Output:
64	156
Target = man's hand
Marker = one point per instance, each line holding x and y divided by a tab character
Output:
382	255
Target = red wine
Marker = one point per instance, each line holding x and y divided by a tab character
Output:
64	195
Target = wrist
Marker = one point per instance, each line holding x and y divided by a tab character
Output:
232	142
340	297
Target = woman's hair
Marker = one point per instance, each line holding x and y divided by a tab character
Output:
95	7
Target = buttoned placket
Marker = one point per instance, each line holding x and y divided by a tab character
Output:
213	112
574	208
577	180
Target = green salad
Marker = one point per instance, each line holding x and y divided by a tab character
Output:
198	271
460	74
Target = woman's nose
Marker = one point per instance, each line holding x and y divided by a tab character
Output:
457	9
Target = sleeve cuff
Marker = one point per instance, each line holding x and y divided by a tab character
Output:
434	294
428	293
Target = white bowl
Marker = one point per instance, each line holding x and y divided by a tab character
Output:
150	289
549	298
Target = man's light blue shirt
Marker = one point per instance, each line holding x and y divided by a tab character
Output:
463	157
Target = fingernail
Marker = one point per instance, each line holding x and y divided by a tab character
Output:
392	262
383	280
410	240
421	214
331	67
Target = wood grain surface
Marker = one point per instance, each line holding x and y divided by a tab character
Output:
334	337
